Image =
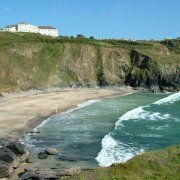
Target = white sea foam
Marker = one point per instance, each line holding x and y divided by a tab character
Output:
87	103
114	151
169	100
151	135
158	128
141	114
30	141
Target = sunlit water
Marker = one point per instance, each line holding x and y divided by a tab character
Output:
102	132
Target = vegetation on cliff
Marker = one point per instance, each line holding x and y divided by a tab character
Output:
29	61
163	164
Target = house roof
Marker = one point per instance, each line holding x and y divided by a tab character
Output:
46	27
23	22
10	26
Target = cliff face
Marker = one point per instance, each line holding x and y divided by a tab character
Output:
27	63
149	73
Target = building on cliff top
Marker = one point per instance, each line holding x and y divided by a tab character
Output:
25	27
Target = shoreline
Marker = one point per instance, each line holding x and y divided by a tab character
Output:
47	111
39	122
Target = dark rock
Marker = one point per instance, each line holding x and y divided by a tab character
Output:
4	142
39	173
144	71
30	176
10	157
70	171
6	155
17	148
51	151
67	159
29	160
42	155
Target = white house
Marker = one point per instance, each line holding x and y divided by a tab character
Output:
11	28
48	30
24	27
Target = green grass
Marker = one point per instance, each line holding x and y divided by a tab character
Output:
162	164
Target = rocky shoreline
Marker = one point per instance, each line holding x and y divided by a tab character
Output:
11	155
14	154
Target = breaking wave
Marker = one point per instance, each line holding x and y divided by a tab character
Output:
169	100
114	150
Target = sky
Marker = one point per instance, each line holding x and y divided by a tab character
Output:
137	19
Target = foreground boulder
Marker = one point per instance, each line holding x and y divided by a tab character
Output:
11	154
17	148
51	151
7	156
39	173
29	160
42	155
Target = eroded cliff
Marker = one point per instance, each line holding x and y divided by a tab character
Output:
32	61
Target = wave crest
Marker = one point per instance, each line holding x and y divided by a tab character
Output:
169	100
114	151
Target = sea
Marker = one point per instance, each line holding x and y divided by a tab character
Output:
102	132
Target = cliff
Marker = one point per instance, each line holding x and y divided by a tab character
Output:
29	61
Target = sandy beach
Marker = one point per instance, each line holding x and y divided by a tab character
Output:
22	114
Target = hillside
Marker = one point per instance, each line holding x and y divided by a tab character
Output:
30	61
163	164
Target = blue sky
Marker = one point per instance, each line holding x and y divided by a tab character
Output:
138	19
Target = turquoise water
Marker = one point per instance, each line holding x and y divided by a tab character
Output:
102	132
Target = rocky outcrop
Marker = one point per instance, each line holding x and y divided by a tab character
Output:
17	148
147	73
41	173
11	154
38	173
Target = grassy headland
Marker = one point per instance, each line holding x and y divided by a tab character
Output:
31	61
